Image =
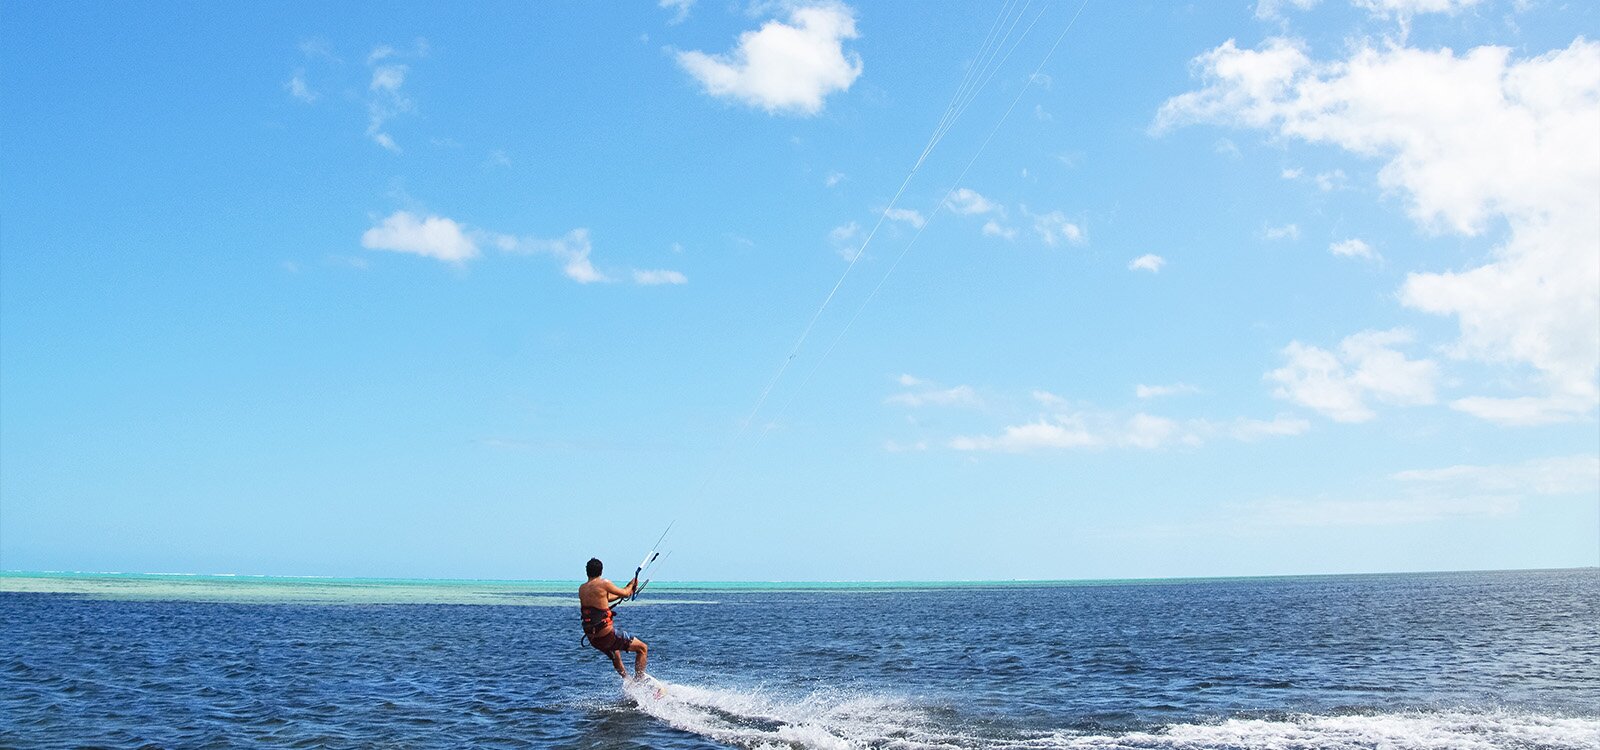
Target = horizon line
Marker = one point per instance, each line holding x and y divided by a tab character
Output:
794	582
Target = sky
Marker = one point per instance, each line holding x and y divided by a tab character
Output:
895	291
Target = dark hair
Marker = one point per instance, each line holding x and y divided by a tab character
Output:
594	567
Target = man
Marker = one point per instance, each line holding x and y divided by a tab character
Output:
596	598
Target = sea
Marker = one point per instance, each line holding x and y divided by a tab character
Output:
1442	661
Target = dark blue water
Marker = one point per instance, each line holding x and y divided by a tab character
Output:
1462	660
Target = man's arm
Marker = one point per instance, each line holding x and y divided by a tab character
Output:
624	592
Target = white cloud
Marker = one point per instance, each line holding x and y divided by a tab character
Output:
1158	391
924	393
433	237
1563	475
1469	141
1028	437
968	201
1227	148
1080	430
784	67
1250	430
680	10
385	99
1151	263
1338	384
1525	411
1053	227
1285	232
381	52
1050	400
1065	425
960	395
1403	9
844	240
906	215
1292	174
299	89
653	278
1428	495
1324	512
1330	181
834	178
317	48
893	446
992	228
1352	248
572	250
1147	431
447	240
1268	9
388	78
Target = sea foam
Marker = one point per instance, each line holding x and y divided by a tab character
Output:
842	720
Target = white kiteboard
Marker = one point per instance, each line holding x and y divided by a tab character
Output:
647	688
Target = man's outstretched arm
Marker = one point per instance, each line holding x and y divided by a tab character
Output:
622	593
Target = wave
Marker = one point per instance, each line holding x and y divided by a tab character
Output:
842	720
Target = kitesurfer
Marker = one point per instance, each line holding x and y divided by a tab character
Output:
596	597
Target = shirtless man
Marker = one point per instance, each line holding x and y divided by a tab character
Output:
596	597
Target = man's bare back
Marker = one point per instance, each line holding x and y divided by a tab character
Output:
600	592
596	597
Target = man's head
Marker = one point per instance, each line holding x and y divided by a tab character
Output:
594	567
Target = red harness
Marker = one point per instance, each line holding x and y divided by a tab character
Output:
596	623
596	620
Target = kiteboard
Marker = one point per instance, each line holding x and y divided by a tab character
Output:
647	687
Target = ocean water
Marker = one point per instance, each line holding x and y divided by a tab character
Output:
1439	661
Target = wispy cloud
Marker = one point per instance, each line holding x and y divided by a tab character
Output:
1429	495
1160	391
1366	365
1151	263
992	228
969	201
784	68
906	216
300	89
844	240
921	392
1064	425
680	10
572	250
1353	248
654	278
385	99
450	241
1284	232
1054	227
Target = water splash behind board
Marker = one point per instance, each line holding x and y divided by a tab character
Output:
762	719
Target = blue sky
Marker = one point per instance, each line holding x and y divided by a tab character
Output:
430	290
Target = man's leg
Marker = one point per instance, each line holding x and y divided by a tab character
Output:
641	653
616	661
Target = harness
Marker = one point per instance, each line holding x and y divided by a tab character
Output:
595	621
